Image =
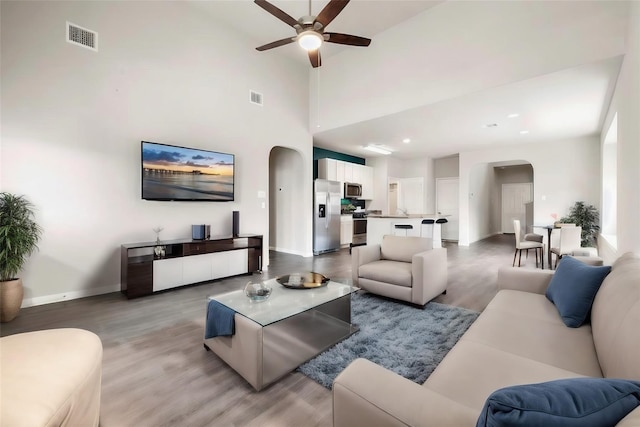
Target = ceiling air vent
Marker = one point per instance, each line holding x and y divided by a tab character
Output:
255	98
82	37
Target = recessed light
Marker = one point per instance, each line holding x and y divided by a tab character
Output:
513	115
406	140
524	132
490	125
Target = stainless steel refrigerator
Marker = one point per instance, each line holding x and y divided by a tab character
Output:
326	216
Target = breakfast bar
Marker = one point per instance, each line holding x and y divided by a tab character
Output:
380	225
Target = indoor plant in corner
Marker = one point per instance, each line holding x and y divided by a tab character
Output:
587	217
19	235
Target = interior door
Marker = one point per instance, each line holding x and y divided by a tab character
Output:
447	203
514	197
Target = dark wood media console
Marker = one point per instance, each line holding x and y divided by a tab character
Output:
186	262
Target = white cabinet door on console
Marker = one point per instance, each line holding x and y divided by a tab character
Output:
167	273
197	268
230	263
220	265
238	262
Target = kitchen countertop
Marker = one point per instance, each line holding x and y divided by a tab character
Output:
379	226
407	216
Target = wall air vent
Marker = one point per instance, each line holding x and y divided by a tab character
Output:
82	37
255	98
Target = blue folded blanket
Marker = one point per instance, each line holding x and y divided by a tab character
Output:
220	320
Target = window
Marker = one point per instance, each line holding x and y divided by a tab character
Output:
609	183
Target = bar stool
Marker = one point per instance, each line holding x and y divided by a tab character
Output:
426	229
402	229
437	232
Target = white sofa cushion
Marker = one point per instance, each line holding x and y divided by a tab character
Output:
544	339
471	371
51	378
615	317
401	248
398	273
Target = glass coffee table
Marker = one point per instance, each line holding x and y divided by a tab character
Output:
275	336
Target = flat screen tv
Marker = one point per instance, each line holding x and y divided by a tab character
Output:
177	173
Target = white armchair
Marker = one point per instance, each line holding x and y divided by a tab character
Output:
403	268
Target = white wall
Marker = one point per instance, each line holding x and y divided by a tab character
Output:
564	172
447	167
423	168
626	103
361	84
385	168
73	119
481	178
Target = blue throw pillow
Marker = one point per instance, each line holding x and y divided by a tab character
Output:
573	289
579	402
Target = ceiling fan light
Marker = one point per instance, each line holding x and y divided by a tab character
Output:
309	40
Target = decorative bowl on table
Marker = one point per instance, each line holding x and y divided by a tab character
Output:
257	291
307	280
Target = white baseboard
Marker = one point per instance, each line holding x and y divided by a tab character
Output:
67	296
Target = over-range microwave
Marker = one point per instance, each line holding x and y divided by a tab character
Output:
352	190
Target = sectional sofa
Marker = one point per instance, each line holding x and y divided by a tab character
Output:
520	338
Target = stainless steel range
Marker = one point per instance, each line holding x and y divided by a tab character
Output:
359	229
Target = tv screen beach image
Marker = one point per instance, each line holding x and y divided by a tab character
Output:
178	173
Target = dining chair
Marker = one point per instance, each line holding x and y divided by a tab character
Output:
570	239
526	245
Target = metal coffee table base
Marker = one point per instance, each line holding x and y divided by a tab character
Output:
262	355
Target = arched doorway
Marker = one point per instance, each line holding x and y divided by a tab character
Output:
287	201
498	193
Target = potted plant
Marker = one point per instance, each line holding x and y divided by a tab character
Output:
19	235
587	217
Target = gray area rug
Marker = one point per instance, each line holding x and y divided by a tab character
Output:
409	341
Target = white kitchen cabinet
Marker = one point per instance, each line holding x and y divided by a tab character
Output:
337	170
355	173
340	171
346	230
367	182
348	172
327	169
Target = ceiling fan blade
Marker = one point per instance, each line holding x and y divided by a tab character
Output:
314	57
348	39
277	43
330	11
283	16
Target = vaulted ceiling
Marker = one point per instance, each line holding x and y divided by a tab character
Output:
448	75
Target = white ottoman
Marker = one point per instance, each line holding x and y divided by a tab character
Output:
50	378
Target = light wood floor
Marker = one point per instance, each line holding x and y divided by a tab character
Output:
156	372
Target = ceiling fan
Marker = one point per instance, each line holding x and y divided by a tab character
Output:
310	32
